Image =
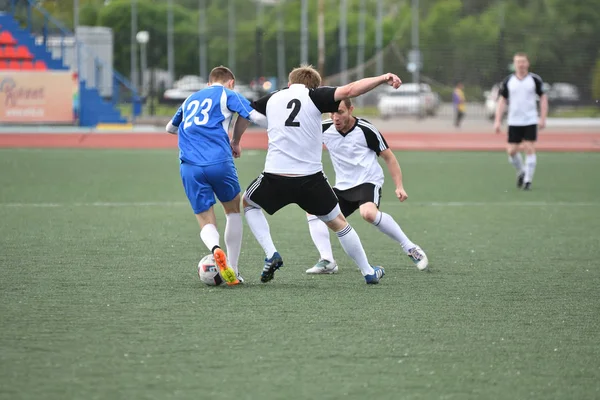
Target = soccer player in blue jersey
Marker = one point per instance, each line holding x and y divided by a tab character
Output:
206	163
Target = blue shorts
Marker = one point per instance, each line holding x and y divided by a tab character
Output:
202	183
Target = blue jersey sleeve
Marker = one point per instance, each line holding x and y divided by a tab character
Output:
178	117
238	103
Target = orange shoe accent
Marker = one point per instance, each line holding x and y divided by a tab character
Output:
220	259
227	272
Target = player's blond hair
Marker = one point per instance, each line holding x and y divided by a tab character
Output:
521	54
220	74
306	75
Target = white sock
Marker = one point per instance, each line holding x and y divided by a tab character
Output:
353	247
530	163
210	236
233	238
386	224
260	229
517	162
319	232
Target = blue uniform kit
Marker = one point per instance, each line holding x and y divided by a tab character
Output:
207	166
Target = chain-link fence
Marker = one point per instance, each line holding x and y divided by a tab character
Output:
261	40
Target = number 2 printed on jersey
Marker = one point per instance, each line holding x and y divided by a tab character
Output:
295	105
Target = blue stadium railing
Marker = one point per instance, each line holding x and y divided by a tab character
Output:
49	26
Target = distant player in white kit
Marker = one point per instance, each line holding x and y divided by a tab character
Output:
521	90
293	170
354	145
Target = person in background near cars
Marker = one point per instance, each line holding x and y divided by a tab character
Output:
458	99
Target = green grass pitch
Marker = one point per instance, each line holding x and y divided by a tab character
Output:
99	297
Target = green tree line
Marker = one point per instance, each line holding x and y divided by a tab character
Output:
460	39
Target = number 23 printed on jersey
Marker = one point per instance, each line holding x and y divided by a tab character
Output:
193	117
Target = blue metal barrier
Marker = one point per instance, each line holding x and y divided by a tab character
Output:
49	22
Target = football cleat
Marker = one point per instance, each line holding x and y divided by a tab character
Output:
323	267
374	278
520	180
418	256
271	265
227	272
527	186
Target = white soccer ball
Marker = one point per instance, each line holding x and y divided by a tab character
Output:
208	271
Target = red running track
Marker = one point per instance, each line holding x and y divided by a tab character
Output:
554	141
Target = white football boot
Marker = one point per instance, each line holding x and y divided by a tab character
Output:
418	256
323	267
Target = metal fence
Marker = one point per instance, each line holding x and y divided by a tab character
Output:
261	40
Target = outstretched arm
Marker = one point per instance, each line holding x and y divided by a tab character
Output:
239	104
173	125
241	124
396	173
543	110
172	129
503	94
499	113
362	86
255	112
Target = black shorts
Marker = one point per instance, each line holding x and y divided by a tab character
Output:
312	193
516	134
351	199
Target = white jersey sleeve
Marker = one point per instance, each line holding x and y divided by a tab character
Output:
374	138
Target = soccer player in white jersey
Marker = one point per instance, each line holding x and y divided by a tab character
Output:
521	90
293	170
354	145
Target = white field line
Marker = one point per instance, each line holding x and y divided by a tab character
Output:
498	203
98	204
385	204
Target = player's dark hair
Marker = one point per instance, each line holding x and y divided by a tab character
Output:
347	102
220	74
306	75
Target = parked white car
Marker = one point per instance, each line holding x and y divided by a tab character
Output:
187	87
183	88
561	93
409	99
189	82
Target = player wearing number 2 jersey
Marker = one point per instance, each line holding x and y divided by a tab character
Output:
206	163
293	171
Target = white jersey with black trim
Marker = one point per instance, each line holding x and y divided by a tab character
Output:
522	97
354	154
294	128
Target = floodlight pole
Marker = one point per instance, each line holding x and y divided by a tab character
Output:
304	32
280	46
133	53
343	41
202	38
231	33
170	42
379	39
415	40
